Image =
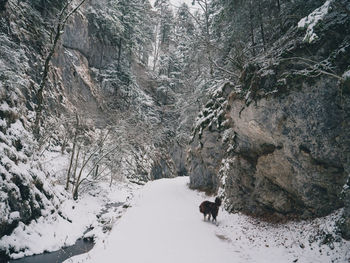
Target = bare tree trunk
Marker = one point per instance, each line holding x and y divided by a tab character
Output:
279	14
64	144
73	151
252	26
279	5
77	182
70	166
111	181
119	53
86	161
156	53
101	59
96	171
75	166
39	94
261	25
205	8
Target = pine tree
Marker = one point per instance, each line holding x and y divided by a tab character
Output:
184	38
164	30
136	37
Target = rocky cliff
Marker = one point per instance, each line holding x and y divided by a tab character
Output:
276	141
88	76
24	192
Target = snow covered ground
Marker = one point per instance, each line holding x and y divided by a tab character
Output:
164	225
63	228
97	209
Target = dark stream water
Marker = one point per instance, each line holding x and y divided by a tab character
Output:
80	247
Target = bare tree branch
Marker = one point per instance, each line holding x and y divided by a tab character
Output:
307	62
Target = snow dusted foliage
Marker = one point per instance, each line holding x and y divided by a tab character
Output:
311	21
212	119
25	193
213	113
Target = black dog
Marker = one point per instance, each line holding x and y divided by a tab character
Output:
210	208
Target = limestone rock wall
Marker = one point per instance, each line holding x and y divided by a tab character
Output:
278	143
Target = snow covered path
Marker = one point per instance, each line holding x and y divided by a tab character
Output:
164	225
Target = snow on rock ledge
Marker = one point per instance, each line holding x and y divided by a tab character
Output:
310	21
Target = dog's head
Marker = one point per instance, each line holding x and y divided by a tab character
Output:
217	201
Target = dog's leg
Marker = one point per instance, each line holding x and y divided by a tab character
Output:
209	217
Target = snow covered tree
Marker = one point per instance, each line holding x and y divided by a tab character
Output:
184	37
164	30
136	36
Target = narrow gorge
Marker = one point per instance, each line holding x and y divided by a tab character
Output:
250	99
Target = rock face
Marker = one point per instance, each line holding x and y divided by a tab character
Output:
278	143
84	78
289	152
344	222
162	168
